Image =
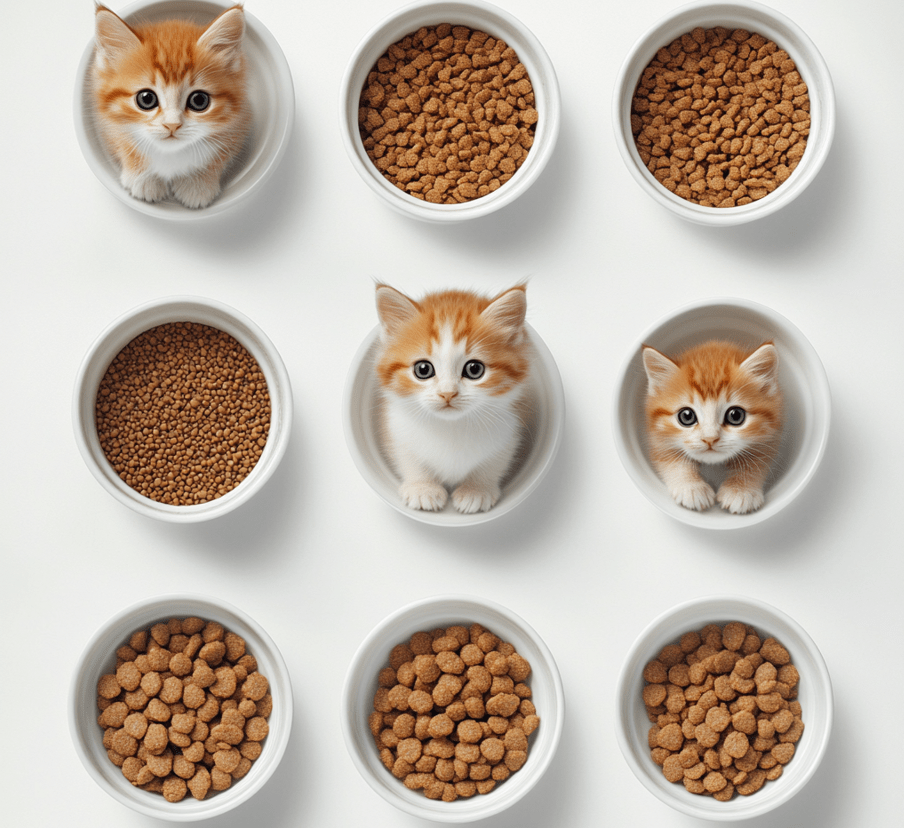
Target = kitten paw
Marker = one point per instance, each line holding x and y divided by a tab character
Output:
429	497
146	188
698	495
195	192
739	501
470	499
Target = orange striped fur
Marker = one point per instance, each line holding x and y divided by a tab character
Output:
714	381
172	148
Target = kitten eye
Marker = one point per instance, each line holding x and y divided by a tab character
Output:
423	369
474	369
198	101
735	416
146	99
687	417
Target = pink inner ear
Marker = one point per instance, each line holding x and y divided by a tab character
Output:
508	310
112	34
659	368
394	308
763	363
225	32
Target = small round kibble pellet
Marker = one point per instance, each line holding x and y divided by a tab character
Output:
255	687
256	729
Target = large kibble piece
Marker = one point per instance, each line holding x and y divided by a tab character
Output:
721	118
447	114
164	730
725	718
470	712
182	415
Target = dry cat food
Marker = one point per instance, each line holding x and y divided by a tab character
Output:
452	712
721	117
447	114
186	710
183	413
724	710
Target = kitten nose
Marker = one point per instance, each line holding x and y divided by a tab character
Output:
448	396
172	123
711	441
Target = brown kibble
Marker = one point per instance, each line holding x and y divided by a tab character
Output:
736	745
199	784
255	687
256	729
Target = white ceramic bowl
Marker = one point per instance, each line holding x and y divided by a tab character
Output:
815	697
737	14
478	15
99	658
428	614
804	386
270	92
122	331
359	419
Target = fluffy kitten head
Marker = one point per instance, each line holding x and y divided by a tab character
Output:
455	353
714	403
164	89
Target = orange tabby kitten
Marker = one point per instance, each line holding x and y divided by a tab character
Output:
454	372
716	403
170	103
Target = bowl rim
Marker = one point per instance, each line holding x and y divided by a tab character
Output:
623	703
351	690
276	748
800	178
553	379
84	130
525	176
261	348
819	386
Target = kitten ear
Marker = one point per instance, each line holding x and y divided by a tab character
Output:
225	33
508	310
762	365
394	308
112	35
660	369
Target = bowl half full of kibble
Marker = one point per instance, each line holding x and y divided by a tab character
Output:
182	408
452	708
724	708
180	707
449	110
724	112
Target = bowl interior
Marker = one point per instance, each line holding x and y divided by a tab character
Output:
99	658
270	93
477	15
815	696
753	17
361	415
804	387
135	322
373	655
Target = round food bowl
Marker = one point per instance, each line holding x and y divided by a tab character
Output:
360	419
475	14
99	658
122	331
737	14
425	615
815	697
804	384
270	93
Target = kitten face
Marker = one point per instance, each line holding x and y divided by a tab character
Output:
453	354
170	97
715	404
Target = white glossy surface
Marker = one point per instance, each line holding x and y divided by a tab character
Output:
428	614
733	14
319	560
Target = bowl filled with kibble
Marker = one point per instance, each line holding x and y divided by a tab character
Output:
724	707
780	436
180	707
724	112
182	408
452	708
449	110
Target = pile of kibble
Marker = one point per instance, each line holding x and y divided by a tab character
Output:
723	703
447	114
186	710
721	117
452	712
183	413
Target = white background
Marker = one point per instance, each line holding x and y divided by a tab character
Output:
316	558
